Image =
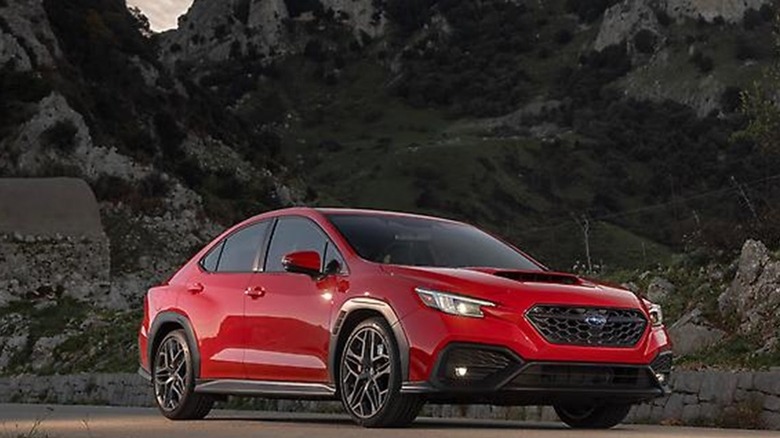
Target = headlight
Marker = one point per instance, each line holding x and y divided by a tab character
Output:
453	304
656	315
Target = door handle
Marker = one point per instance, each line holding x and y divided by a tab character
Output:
195	288
255	292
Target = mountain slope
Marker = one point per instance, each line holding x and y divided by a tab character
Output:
527	118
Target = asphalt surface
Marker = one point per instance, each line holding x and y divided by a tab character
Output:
91	421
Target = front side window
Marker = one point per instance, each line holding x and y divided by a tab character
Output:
293	234
333	262
416	241
240	249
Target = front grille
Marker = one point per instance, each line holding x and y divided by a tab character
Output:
482	365
596	327
562	376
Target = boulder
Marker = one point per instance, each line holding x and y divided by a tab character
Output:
624	20
753	297
693	333
659	289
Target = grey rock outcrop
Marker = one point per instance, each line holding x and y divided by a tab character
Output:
213	30
216	31
659	289
730	11
623	21
361	15
692	333
26	39
753	298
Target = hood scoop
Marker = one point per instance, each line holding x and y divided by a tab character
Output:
538	277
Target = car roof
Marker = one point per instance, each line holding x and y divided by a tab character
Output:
328	211
370	212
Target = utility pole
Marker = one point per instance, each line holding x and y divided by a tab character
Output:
745	197
584	223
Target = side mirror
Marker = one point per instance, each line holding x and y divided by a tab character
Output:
303	262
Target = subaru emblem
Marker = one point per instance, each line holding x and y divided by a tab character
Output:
595	320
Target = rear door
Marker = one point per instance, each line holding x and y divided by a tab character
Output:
288	320
215	301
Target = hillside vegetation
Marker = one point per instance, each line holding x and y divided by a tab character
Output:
600	136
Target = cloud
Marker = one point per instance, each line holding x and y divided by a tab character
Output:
163	14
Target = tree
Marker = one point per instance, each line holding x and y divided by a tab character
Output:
760	105
141	21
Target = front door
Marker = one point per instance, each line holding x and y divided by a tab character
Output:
288	315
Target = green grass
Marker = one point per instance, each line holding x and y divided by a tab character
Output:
107	344
733	353
383	153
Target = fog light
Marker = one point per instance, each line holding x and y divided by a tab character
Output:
661	377
461	371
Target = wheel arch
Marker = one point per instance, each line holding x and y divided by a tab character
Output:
166	322
352	313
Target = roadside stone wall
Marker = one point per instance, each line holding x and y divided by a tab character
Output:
716	397
124	389
712	398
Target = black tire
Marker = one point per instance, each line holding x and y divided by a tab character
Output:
177	400
592	417
381	370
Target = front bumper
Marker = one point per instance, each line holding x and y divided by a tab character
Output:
477	373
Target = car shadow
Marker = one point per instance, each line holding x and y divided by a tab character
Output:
421	423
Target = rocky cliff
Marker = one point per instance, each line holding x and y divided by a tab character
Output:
219	31
85	96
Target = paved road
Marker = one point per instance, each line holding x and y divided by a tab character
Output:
91	421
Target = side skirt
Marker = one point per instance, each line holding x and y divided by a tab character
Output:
267	389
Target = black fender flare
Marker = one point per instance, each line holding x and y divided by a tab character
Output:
376	305
173	317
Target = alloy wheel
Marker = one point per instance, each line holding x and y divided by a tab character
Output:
366	372
170	374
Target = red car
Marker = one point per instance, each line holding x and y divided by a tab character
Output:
387	311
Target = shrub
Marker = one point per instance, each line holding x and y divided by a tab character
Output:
589	10
331	145
767	12
645	41
241	10
752	19
664	19
704	63
154	185
112	189
563	36
298	7
748	48
730	99
170	134
61	136
410	15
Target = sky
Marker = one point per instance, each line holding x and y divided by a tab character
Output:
162	13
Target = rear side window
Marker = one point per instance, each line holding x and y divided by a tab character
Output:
293	234
238	252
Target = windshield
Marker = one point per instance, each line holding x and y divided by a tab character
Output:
425	242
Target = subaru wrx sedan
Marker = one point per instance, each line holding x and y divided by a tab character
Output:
389	311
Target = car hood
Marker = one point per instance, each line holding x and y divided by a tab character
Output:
519	289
